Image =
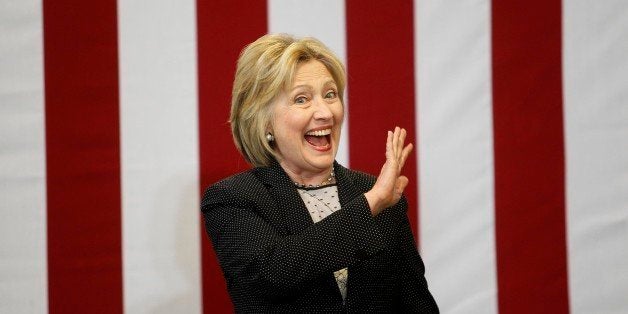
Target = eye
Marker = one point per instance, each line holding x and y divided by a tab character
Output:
299	100
331	94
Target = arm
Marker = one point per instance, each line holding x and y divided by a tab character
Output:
251	252
414	294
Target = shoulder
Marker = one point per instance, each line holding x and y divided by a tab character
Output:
361	180
237	189
240	180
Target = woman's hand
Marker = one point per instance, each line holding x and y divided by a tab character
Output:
390	184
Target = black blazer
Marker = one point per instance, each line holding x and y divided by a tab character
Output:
275	259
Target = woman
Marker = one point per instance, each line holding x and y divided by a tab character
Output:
299	232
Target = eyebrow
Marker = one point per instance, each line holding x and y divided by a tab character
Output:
327	83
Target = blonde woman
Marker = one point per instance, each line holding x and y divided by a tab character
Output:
299	232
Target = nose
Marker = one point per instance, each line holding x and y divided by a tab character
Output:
322	111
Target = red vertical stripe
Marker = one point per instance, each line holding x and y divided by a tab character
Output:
224	28
82	157
380	54
529	157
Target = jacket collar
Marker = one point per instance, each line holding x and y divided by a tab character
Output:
290	206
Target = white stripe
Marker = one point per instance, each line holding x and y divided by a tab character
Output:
23	266
159	136
324	20
596	124
455	153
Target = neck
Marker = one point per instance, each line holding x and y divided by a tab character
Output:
309	178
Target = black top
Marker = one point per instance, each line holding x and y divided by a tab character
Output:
275	258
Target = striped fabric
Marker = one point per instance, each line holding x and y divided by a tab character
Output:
113	119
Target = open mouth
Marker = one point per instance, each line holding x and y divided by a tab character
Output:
320	139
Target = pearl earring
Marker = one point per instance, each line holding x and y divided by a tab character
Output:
270	137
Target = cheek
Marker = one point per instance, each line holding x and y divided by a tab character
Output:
289	126
297	120
339	114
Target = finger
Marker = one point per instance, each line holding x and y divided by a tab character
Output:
395	141
389	145
402	140
404	155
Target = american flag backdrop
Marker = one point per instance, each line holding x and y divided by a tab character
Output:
113	120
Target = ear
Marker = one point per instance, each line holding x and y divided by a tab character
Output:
269	137
269	128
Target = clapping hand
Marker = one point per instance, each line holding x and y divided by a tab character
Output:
390	183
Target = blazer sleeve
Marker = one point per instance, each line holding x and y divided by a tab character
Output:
414	294
252	252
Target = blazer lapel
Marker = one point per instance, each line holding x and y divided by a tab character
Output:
290	211
347	190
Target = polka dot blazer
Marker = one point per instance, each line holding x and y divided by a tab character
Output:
275	259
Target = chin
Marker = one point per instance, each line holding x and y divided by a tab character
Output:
322	162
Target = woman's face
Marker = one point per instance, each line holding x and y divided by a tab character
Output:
307	118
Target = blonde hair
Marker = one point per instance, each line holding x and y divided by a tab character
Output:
266	68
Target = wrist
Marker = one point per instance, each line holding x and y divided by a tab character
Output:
374	202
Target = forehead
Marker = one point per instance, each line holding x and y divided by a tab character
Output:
312	70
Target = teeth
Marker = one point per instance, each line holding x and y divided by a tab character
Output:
319	132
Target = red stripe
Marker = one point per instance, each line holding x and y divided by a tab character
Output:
529	157
82	157
224	28
380	54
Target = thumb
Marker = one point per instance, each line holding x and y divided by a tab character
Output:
401	184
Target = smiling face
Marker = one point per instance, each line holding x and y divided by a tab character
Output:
307	118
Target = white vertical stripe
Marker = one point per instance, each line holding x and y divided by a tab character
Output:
596	123
159	135
324	20
23	261
455	153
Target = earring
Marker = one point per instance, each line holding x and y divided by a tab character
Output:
270	137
